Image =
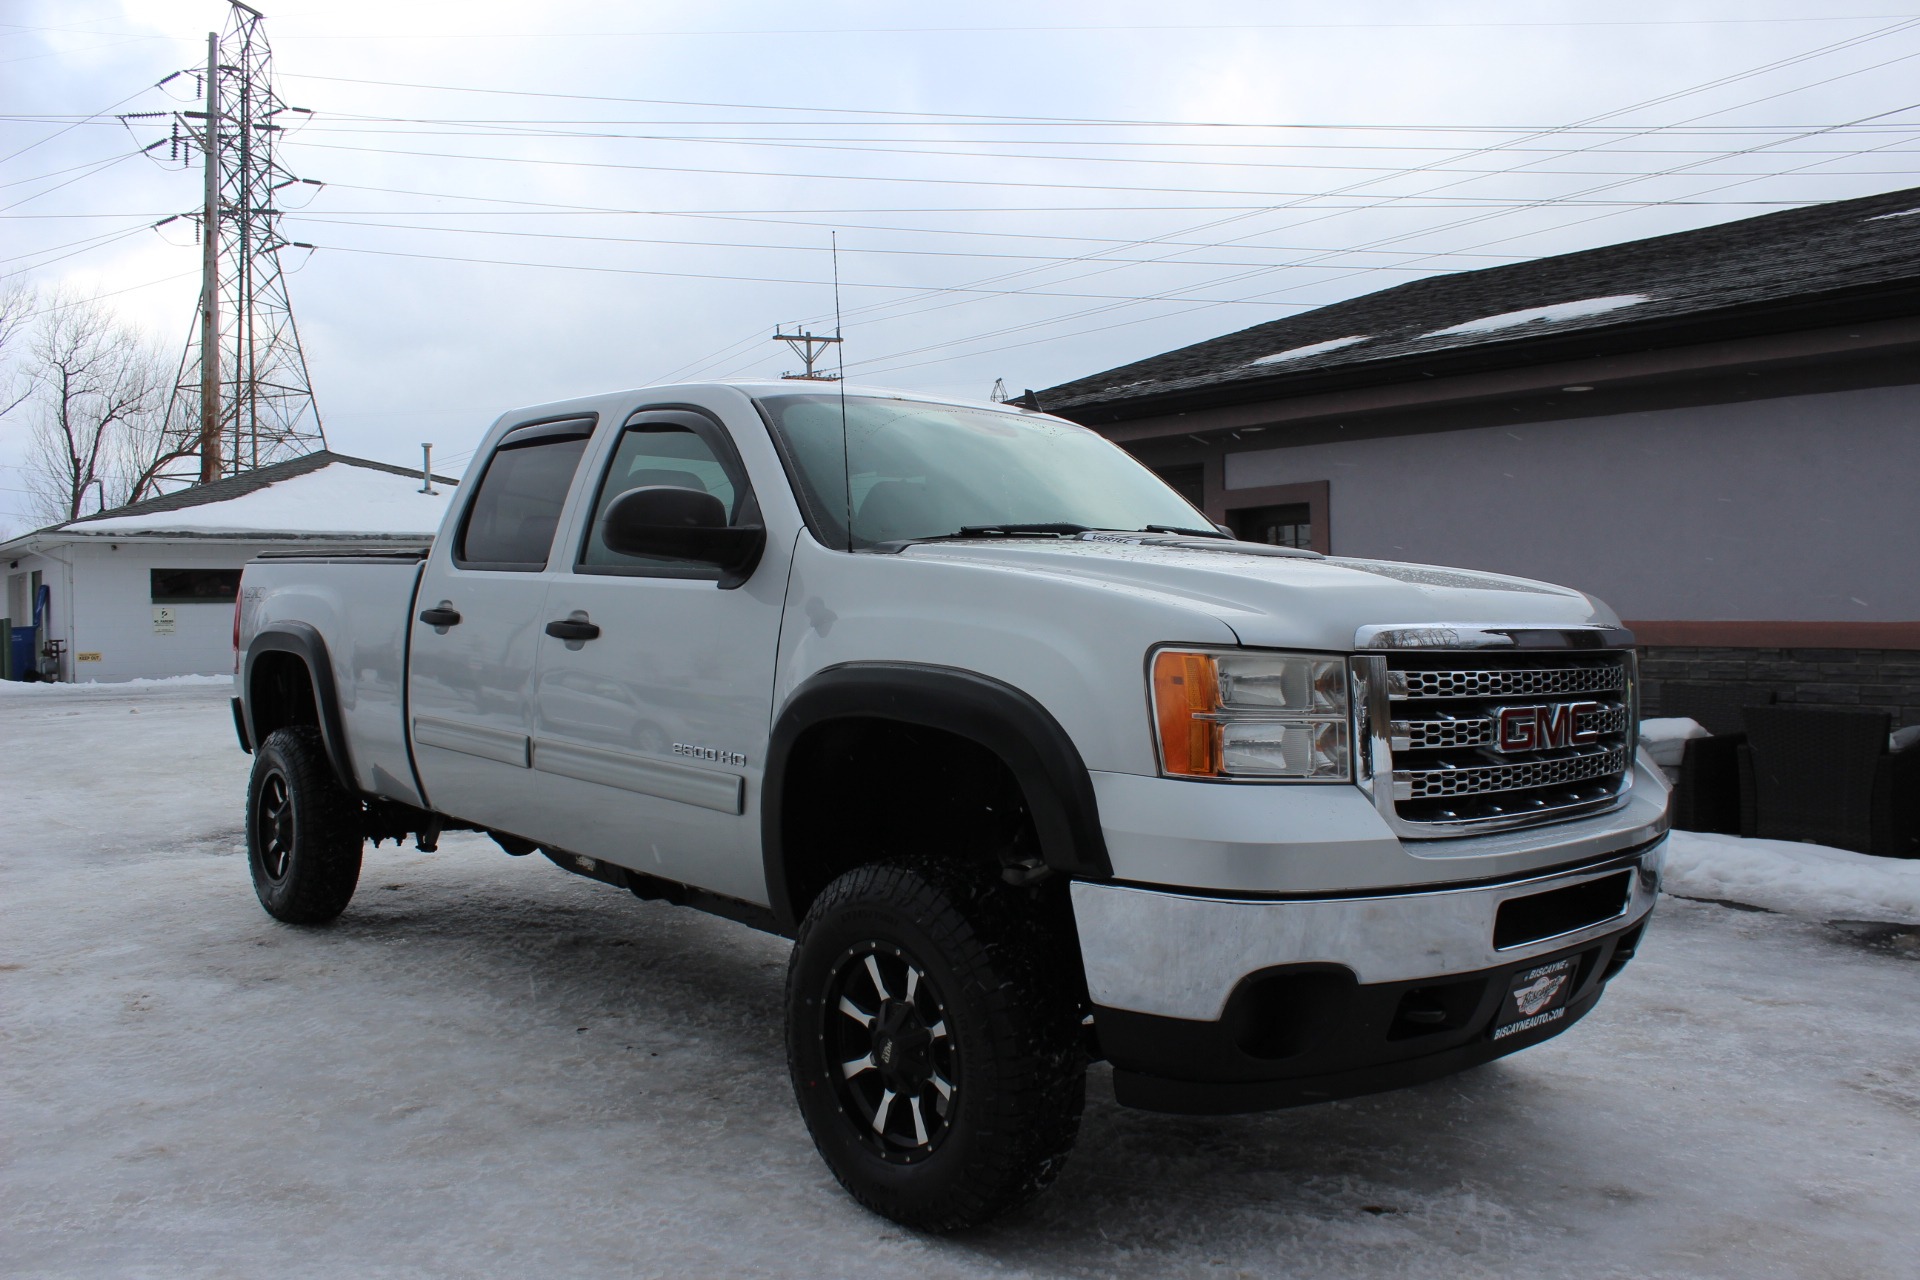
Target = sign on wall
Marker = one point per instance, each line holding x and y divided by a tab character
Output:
163	620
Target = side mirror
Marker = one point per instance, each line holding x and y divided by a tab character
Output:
682	524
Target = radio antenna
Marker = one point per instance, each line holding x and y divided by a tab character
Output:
840	352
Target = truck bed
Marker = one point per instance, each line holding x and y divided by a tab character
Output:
360	604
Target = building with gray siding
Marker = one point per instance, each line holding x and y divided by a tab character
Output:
1716	432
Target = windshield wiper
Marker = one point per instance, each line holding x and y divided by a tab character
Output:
1174	528
1058	529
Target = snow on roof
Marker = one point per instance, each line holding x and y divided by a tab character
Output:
1902	213
1555	314
338	498
1311	349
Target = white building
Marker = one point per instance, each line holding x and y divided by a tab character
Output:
147	590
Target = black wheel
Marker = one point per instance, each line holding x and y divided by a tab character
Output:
303	829
934	1042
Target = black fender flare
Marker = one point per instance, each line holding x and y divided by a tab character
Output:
303	641
999	717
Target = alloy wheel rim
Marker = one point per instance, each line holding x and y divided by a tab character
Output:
890	1052
273	826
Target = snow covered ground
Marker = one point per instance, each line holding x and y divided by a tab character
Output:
488	1067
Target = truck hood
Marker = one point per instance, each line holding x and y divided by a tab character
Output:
1273	597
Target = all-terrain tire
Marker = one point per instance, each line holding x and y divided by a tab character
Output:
969	996
303	829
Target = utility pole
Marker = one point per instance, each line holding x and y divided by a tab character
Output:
811	348
210	275
243	397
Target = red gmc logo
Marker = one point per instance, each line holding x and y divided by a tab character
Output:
1566	724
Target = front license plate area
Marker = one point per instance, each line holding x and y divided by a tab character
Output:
1536	997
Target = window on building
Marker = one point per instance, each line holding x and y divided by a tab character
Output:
1289	524
194	586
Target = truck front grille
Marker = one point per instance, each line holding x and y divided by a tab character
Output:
1473	741
1522	683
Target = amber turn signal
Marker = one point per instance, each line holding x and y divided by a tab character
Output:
1186	688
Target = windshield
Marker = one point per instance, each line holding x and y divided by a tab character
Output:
920	470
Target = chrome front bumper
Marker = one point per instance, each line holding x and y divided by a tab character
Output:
1180	956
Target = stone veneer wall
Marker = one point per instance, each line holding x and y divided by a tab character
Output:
1831	679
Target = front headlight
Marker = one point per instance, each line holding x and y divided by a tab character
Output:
1246	714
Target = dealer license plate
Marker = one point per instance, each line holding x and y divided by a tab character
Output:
1536	997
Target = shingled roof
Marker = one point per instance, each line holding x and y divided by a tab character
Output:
322	496
1848	261
246	482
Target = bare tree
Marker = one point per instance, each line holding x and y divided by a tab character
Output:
16	305
99	388
153	442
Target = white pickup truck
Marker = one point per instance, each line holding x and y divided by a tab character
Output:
1033	763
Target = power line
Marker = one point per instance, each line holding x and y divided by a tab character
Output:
1080	121
1432	166
707	275
526	127
918	181
83	120
77	246
746	244
99	167
1200	306
1674	96
85	164
841	211
112	293
951	152
782	32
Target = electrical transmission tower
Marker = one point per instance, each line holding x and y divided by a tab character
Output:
242	398
811	348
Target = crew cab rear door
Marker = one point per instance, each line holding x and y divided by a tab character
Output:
649	736
477	627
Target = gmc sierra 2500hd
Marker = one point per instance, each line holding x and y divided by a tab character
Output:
1031	762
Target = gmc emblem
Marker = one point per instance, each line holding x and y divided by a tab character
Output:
1565	724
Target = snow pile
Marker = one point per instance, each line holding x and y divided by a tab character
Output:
1558	313
160	685
1807	880
1311	349
1664	739
338	498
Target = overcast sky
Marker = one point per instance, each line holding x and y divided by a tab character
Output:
1032	192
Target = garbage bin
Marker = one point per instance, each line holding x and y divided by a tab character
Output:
22	644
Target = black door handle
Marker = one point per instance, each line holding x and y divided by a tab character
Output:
572	629
440	616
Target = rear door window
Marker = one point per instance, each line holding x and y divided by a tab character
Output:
511	522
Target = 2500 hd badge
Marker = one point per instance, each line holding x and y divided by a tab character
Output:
709	753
